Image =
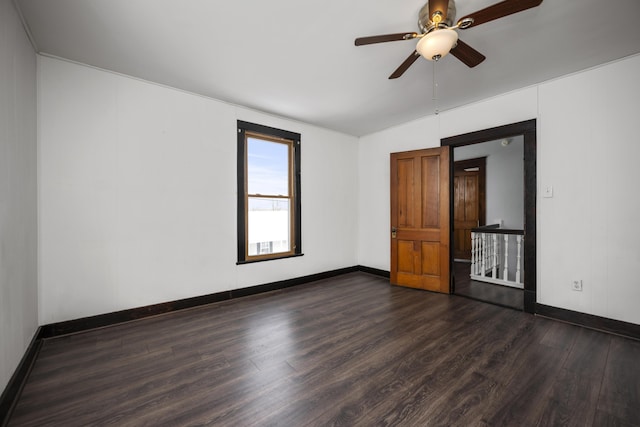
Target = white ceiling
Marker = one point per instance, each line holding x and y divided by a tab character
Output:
297	59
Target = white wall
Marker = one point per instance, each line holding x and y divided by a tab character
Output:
589	151
137	194
588	147
18	273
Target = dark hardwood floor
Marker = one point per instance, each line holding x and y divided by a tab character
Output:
350	350
487	292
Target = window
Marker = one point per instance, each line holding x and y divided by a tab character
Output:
268	193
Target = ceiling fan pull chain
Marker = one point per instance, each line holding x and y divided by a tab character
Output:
434	98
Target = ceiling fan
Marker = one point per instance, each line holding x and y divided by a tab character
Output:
438	37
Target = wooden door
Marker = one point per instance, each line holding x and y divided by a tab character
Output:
420	219
468	203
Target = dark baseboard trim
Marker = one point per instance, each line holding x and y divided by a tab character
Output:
87	323
274	286
529	301
617	327
12	391
376	271
101	320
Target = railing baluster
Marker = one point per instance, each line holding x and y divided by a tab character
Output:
519	240
494	258
489	254
473	253
478	254
505	274
483	251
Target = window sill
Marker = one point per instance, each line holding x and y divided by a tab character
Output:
252	261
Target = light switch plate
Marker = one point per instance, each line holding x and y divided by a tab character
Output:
548	191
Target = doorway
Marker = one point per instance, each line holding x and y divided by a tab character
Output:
527	131
488	270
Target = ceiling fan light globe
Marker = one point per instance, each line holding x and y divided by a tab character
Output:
437	43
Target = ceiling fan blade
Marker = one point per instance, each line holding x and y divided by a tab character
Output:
405	65
438	5
385	38
500	10
468	55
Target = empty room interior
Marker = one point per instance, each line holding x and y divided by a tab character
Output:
266	213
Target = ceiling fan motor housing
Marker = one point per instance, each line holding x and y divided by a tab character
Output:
426	24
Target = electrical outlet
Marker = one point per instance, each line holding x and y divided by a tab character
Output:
576	285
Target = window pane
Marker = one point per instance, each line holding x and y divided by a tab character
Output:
269	226
267	167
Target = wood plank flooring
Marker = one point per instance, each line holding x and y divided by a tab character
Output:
350	350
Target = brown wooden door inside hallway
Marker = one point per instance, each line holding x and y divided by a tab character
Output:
420	219
469	207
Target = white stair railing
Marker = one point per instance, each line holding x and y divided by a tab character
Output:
487	245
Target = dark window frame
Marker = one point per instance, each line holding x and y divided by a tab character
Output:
243	128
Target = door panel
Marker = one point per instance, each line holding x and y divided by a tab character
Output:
431	258
420	219
471	197
405	257
430	182
406	190
458	198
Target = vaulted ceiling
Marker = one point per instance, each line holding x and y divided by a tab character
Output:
297	59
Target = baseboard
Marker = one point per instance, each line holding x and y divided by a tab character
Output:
529	301
107	319
12	391
274	286
376	271
617	327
